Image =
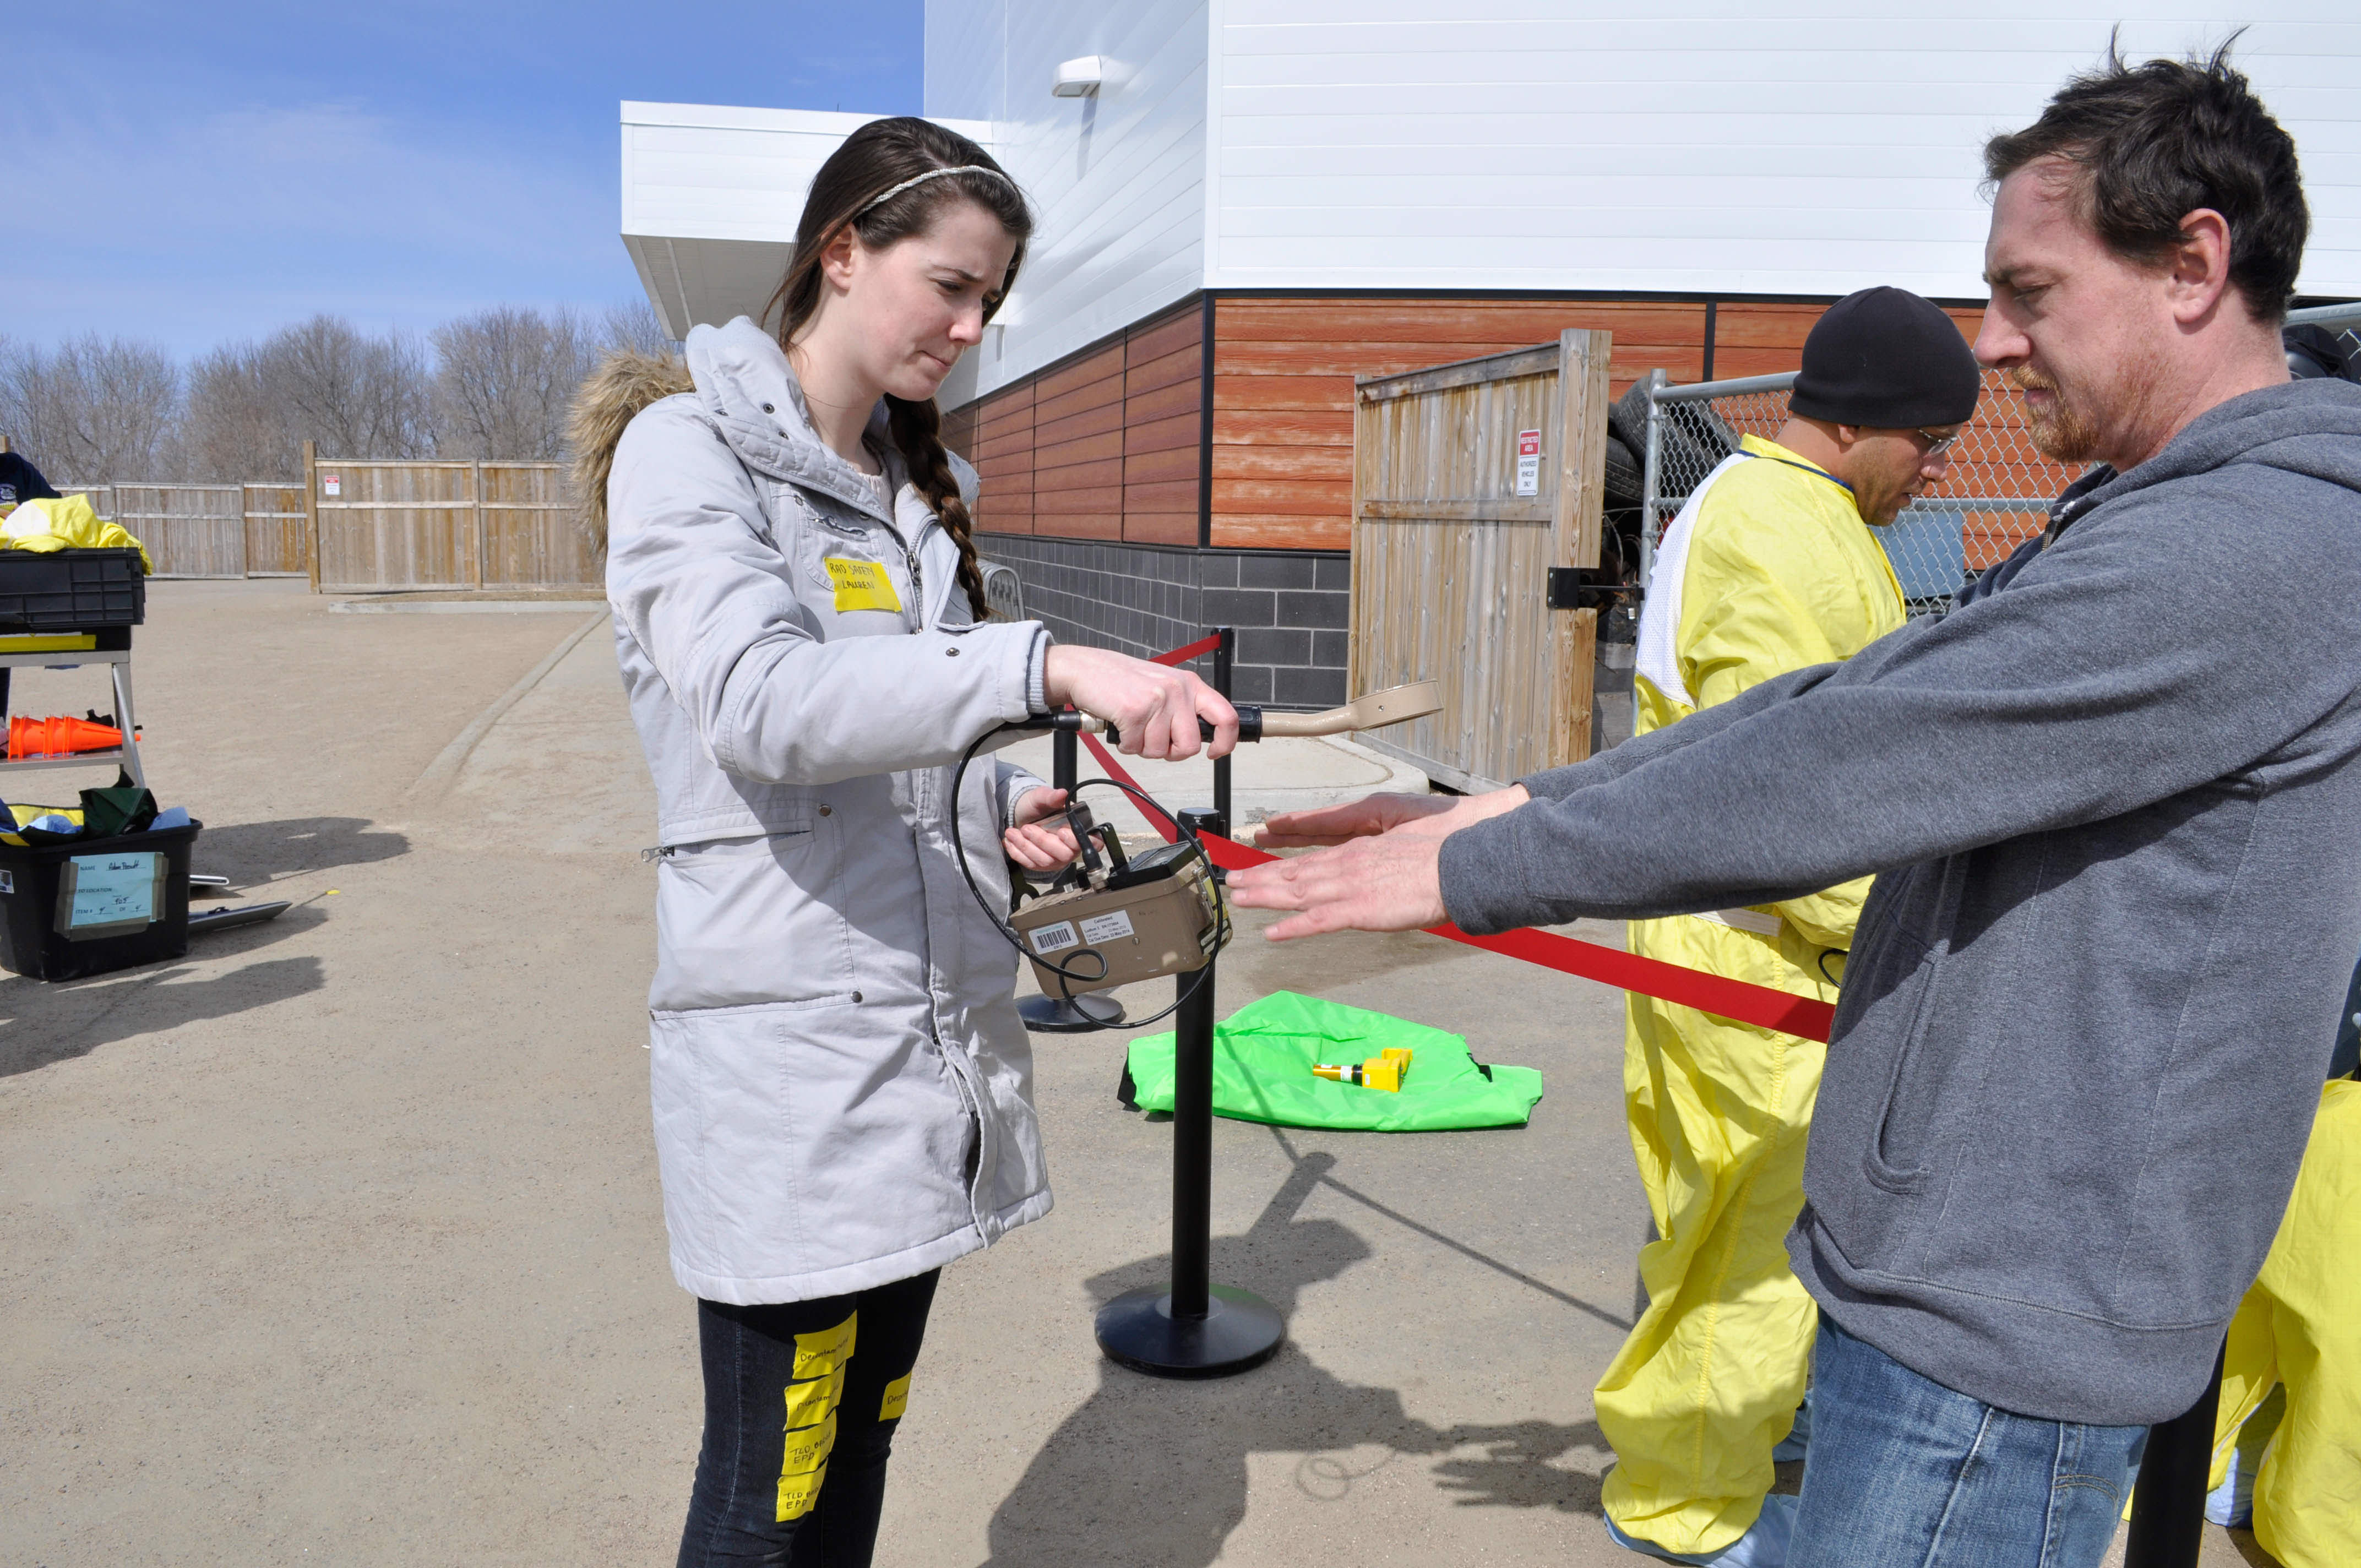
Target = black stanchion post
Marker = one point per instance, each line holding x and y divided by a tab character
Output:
2168	1505
1224	653
1192	1327
1091	1010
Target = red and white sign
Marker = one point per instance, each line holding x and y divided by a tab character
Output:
332	483
1528	462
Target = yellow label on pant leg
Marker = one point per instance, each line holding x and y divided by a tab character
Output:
807	1448
898	1399
799	1493
822	1351
861	584
809	1403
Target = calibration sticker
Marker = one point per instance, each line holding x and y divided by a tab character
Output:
861	584
1109	927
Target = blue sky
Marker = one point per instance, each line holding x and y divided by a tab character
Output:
191	173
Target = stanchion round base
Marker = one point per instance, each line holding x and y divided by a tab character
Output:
1242	1331
1055	1015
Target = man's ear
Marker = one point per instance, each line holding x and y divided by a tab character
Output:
2199	268
1847	435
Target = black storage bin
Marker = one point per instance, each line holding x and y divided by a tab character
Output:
70	590
46	936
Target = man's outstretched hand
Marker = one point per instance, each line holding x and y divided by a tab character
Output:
1386	874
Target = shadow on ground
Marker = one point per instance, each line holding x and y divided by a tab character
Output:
252	853
43	1024
1149	1474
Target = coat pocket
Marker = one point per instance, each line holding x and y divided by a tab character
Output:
748	921
1897	1158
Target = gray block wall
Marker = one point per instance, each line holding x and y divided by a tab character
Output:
1289	606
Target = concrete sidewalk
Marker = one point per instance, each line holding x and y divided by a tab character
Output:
340	1240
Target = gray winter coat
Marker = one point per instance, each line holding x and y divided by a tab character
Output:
842	1083
2118	832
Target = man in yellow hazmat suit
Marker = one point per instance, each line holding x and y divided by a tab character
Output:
1770	566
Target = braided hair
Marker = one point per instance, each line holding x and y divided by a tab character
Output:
896	159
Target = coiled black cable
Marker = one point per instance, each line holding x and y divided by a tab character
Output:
1009	933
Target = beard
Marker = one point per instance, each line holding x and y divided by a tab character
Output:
2060	430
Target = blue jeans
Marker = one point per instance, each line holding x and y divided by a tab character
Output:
1903	1472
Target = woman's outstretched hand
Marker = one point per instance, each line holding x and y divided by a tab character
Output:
1035	847
1155	707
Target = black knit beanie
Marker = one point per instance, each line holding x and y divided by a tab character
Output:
1886	358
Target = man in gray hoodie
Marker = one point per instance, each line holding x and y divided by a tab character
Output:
2117	847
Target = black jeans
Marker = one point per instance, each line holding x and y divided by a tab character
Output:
801	1400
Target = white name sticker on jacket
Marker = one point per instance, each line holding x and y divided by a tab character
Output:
861	584
1107	927
1055	938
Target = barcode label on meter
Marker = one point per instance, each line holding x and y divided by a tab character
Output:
1055	938
1107	927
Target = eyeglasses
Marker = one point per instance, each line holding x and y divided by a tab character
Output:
1938	444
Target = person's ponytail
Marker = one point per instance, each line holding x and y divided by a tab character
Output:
917	429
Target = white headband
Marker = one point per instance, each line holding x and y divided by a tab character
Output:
891	191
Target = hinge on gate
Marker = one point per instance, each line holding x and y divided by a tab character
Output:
1582	587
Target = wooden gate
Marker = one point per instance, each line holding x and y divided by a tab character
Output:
278	531
210	531
388	524
1470	481
191	530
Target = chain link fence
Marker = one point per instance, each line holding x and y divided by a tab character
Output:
1994	497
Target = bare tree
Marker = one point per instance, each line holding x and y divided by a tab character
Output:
504	378
238	424
636	326
357	396
498	386
96	409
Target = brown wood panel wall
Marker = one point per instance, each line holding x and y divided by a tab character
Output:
1283	374
1105	447
1102	447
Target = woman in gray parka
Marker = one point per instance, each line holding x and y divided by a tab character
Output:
842	1082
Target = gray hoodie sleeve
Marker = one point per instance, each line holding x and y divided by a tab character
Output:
2147	651
694	576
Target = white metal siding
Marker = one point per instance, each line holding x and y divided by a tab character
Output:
1116	182
711	197
1560	144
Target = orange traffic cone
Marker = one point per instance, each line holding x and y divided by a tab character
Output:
60	737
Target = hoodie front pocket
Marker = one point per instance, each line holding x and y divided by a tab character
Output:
747	921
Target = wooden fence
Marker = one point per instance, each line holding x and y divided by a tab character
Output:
382	524
210	531
1471	482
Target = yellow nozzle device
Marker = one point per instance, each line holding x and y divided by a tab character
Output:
1384	1070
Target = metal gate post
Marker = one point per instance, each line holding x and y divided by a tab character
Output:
1650	479
1192	1327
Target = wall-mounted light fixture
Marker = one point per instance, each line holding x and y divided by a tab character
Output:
1080	78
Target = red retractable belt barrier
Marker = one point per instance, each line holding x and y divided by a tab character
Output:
1182	655
1718	994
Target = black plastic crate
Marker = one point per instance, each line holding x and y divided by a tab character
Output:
70	590
130	913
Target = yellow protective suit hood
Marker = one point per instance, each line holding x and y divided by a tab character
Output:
66	522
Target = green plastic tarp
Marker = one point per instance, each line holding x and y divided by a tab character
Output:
1263	1055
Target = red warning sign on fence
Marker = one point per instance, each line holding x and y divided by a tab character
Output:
1528	462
